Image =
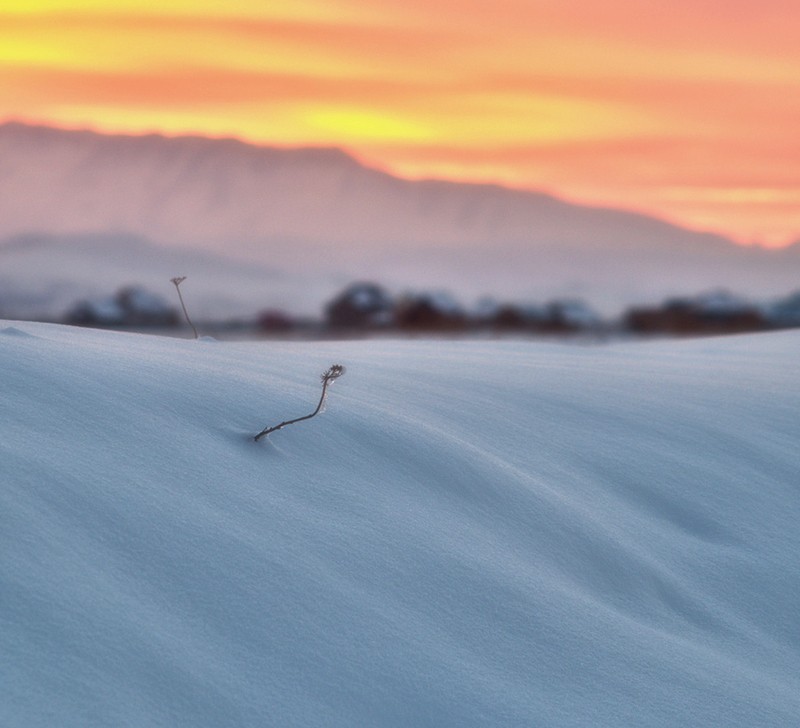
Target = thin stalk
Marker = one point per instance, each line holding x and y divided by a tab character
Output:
328	377
177	282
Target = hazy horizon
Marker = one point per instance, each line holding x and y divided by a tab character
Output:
259	227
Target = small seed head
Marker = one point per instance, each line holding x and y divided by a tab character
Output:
334	372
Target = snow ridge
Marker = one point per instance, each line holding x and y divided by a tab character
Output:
473	533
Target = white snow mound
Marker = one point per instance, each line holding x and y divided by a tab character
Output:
472	534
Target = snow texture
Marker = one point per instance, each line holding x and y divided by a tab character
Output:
475	533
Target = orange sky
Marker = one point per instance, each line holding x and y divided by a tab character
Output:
688	109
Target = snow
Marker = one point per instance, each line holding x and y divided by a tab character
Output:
474	533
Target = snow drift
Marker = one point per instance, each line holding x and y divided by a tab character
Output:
474	533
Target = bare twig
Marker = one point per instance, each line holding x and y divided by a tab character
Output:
328	376
177	281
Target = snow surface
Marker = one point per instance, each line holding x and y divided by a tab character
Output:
474	533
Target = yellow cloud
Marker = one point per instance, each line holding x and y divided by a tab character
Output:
354	125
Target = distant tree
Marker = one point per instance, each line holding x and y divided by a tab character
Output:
360	305
785	312
713	313
430	312
130	306
508	317
274	321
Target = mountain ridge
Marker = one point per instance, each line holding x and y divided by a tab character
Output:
478	211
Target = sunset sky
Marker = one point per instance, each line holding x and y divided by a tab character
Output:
688	109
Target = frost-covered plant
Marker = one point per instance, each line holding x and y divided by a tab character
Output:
177	281
328	377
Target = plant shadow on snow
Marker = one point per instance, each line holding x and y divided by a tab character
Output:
265	444
242	438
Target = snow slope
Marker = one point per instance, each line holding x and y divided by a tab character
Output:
474	533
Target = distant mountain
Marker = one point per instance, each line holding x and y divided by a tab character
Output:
322	214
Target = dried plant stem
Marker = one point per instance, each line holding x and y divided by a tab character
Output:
328	377
177	282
